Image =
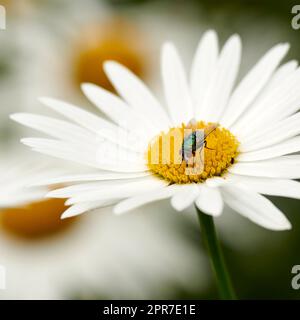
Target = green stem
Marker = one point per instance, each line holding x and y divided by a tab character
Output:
217	260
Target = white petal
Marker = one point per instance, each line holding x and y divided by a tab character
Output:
137	95
278	104
20	198
223	80
53	127
106	186
255	207
281	167
83	207
91	156
17	175
60	150
102	128
89	177
274	134
216	181
143	199
281	74
286	147
117	110
270	186
253	83
118	190
185	197
210	200
175	86
203	68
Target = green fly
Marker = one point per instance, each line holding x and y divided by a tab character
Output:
195	141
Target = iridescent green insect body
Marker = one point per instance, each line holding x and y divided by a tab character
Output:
195	140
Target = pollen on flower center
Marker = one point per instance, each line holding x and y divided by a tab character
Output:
192	153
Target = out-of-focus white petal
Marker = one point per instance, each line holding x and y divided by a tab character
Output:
17	172
20	197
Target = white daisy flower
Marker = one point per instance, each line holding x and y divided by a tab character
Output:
251	131
45	257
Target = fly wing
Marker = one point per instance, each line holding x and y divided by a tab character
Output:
200	139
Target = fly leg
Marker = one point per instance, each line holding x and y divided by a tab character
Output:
205	145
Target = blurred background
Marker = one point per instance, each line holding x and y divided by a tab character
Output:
48	48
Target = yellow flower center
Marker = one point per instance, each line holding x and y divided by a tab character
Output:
35	221
192	153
